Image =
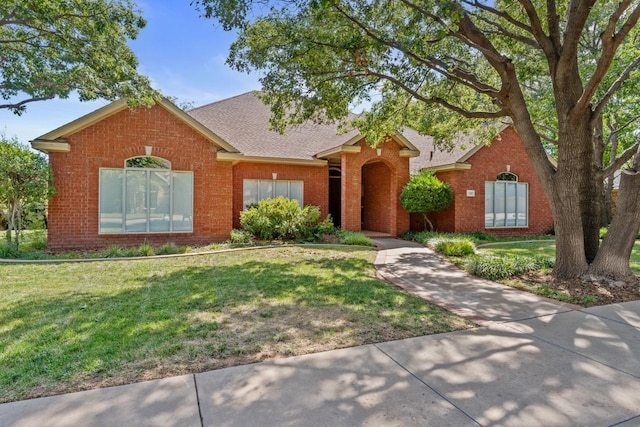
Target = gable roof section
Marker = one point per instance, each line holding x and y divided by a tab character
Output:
54	142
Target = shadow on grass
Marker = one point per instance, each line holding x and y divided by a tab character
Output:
148	319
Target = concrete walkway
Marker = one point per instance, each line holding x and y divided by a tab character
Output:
533	363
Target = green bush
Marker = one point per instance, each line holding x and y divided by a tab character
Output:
455	247
353	238
240	237
282	218
146	249
324	227
38	240
7	250
113	251
501	268
168	249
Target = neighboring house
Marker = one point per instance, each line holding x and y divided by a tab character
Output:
495	188
125	176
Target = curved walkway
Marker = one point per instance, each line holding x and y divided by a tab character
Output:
534	363
431	276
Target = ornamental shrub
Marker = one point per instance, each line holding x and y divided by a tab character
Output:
425	193
455	247
282	218
501	268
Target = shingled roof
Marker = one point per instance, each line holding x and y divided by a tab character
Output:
243	122
435	157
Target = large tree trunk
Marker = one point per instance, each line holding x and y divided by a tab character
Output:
613	257
591	211
572	200
570	259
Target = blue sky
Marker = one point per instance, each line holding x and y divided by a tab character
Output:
183	55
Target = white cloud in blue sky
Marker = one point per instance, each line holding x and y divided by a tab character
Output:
183	55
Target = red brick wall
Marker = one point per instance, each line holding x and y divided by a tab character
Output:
73	210
398	169
376	208
315	178
467	213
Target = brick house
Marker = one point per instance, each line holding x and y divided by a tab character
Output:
496	179
125	176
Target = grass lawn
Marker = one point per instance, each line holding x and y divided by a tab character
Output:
546	248
73	326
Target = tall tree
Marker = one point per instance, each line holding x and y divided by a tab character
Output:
25	178
50	48
481	60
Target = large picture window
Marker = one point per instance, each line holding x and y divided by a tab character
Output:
506	203
146	197
255	190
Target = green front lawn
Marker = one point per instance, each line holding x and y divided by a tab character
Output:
545	248
73	326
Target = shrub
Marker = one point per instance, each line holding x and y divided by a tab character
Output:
425	193
146	249
240	237
282	218
353	238
501	268
113	251
455	247
39	240
7	250
168	249
325	227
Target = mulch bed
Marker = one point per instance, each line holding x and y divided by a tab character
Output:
606	292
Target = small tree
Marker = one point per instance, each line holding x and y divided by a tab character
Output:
25	178
425	193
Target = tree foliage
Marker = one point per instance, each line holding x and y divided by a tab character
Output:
425	193
50	48
432	63
25	179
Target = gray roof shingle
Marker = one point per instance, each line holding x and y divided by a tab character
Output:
243	122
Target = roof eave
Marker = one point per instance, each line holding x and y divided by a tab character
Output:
339	150
59	146
449	167
406	152
237	158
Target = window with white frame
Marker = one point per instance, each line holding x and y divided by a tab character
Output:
506	202
255	190
145	197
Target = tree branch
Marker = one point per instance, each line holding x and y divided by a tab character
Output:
440	101
610	44
621	160
18	105
624	76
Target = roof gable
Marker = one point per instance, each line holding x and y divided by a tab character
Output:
54	140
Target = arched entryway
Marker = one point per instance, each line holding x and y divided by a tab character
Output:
376	201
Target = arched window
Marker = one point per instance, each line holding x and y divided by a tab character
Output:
507	176
147	162
145	197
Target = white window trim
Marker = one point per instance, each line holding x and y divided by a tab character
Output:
124	197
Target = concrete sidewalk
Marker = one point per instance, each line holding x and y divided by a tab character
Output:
534	364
